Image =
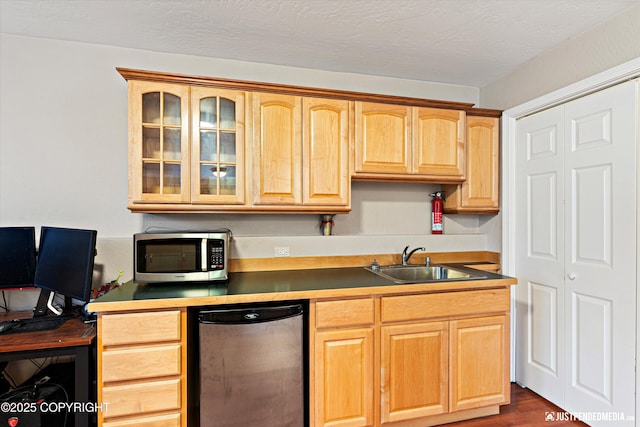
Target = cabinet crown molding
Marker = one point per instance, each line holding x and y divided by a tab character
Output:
222	83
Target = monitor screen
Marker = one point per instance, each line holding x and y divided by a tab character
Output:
65	261
17	256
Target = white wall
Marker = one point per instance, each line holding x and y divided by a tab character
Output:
63	154
608	45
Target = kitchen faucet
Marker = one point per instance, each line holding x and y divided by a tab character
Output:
405	256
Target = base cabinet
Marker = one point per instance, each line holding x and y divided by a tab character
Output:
432	358
141	366
344	377
479	353
414	369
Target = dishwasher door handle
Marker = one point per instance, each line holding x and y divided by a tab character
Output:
249	315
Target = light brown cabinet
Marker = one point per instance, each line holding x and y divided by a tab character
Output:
440	357
479	193
200	144
141	368
396	142
186	145
415	370
300	152
342	363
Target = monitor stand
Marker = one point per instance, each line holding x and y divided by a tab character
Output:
45	304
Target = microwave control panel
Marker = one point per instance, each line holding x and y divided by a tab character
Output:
215	247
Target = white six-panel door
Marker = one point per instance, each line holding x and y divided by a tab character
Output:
576	252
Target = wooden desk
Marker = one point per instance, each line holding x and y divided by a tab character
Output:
74	337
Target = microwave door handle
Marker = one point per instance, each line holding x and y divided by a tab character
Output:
204	258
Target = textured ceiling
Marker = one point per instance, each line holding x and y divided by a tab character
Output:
466	42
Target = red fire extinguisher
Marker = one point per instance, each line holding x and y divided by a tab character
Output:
436	213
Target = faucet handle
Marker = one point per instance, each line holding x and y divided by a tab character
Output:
427	261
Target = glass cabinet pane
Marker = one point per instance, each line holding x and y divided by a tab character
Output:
150	143
151	178
218	151
171	178
217	179
171	144
208	113
208	146
151	107
227	179
227	147
227	114
162	143
171	110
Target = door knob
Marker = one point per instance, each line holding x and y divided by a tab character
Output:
571	276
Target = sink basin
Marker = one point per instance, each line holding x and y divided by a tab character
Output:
423	274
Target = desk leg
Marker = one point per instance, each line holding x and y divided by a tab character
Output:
83	382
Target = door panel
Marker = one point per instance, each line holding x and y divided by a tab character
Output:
540	253
577	172
543	328
601	258
591	348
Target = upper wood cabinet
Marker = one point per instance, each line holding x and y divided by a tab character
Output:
201	144
159	143
217	146
277	149
479	193
383	144
301	151
186	145
396	142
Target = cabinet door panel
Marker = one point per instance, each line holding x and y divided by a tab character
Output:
343	363
481	187
217	148
382	138
479	359
159	143
414	368
326	151
277	149
439	142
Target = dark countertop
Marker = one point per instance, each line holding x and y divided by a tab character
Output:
277	285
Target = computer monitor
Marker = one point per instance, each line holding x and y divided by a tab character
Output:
65	266
17	257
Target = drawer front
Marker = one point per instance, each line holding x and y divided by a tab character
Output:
134	328
141	362
171	420
141	398
448	304
344	313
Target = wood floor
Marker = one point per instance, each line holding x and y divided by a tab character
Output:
527	409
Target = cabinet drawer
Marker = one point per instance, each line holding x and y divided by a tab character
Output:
449	304
140	362
141	398
344	313
171	420
134	328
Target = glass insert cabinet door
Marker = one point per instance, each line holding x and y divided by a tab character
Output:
217	156
159	150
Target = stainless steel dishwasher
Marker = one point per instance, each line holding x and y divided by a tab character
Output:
252	366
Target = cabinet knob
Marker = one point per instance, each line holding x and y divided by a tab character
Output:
571	276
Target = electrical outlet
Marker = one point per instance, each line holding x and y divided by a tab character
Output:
281	251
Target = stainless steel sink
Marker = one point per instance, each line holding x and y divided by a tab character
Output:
423	274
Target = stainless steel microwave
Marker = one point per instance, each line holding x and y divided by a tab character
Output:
181	256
